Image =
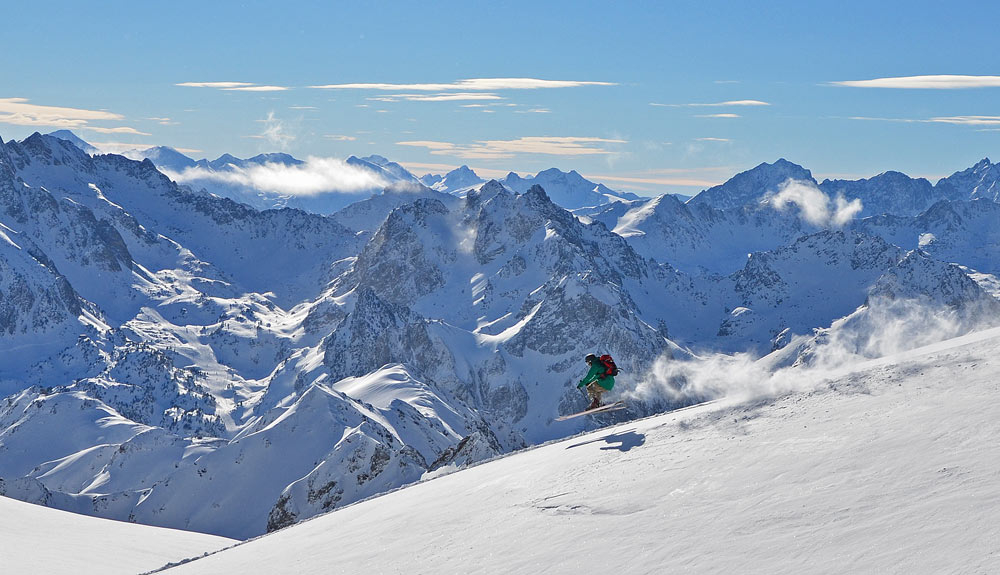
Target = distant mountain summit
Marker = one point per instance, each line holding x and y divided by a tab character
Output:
979	181
75	140
752	186
167	158
390	171
567	189
887	193
461	178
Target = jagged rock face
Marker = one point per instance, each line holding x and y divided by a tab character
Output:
289	250
801	286
35	300
979	181
918	276
396	263
886	193
142	384
951	231
377	333
362	464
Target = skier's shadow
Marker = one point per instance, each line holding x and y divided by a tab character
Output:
626	440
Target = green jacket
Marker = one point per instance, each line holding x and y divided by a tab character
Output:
596	369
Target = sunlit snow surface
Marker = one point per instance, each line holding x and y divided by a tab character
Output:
40	540
890	467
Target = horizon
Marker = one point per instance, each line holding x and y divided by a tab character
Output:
646	99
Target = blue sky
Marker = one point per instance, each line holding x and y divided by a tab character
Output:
645	96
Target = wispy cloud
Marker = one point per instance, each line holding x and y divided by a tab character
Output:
339	138
118	130
959	120
474	85
163	121
313	177
968	120
234	86
275	132
936	82
499	149
713	140
713	104
441	97
218	85
19	112
718	116
257	89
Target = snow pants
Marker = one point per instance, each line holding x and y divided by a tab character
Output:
594	391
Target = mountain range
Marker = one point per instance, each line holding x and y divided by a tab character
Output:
178	358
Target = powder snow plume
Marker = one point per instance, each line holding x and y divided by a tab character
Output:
882	328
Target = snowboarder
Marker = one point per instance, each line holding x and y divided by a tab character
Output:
599	379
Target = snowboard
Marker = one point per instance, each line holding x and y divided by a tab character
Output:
609	407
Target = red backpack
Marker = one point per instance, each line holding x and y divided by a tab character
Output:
610	369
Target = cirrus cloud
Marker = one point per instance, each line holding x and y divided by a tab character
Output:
933	82
234	86
19	111
499	149
473	85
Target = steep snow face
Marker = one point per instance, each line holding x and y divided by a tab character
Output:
567	189
806	479
887	193
40	312
979	181
75	140
701	239
75	544
750	187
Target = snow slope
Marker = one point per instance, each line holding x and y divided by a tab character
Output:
883	467
36	539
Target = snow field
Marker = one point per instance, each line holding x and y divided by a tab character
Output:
40	540
889	469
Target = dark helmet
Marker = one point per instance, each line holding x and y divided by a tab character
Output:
591	358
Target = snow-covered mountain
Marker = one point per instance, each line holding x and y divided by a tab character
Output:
752	186
567	189
234	371
887	193
459	179
75	140
979	181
